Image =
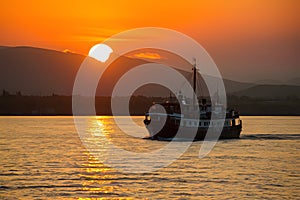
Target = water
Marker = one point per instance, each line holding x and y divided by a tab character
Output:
43	158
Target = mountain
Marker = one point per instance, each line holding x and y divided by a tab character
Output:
36	71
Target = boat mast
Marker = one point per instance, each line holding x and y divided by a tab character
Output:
194	82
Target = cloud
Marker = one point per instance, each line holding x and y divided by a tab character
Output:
147	55
68	51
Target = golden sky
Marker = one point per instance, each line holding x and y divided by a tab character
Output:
226	28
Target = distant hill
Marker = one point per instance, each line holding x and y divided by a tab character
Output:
268	82
271	91
294	81
39	71
36	71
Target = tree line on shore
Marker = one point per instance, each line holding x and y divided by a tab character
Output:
18	104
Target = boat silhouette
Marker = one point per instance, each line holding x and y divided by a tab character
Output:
164	124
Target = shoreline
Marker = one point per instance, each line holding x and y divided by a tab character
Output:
138	105
137	115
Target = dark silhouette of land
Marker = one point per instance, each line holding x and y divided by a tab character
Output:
38	81
41	72
62	105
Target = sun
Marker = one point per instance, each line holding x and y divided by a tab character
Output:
100	52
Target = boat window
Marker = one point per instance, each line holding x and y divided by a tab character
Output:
206	123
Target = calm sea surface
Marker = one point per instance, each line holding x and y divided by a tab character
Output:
43	158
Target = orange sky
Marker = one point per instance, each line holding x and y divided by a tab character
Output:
227	29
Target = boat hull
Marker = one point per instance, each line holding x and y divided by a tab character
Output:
169	131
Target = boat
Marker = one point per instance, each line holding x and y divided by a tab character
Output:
165	124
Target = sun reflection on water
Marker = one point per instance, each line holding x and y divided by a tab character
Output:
103	130
104	198
97	177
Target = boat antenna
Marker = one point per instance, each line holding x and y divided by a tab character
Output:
194	79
